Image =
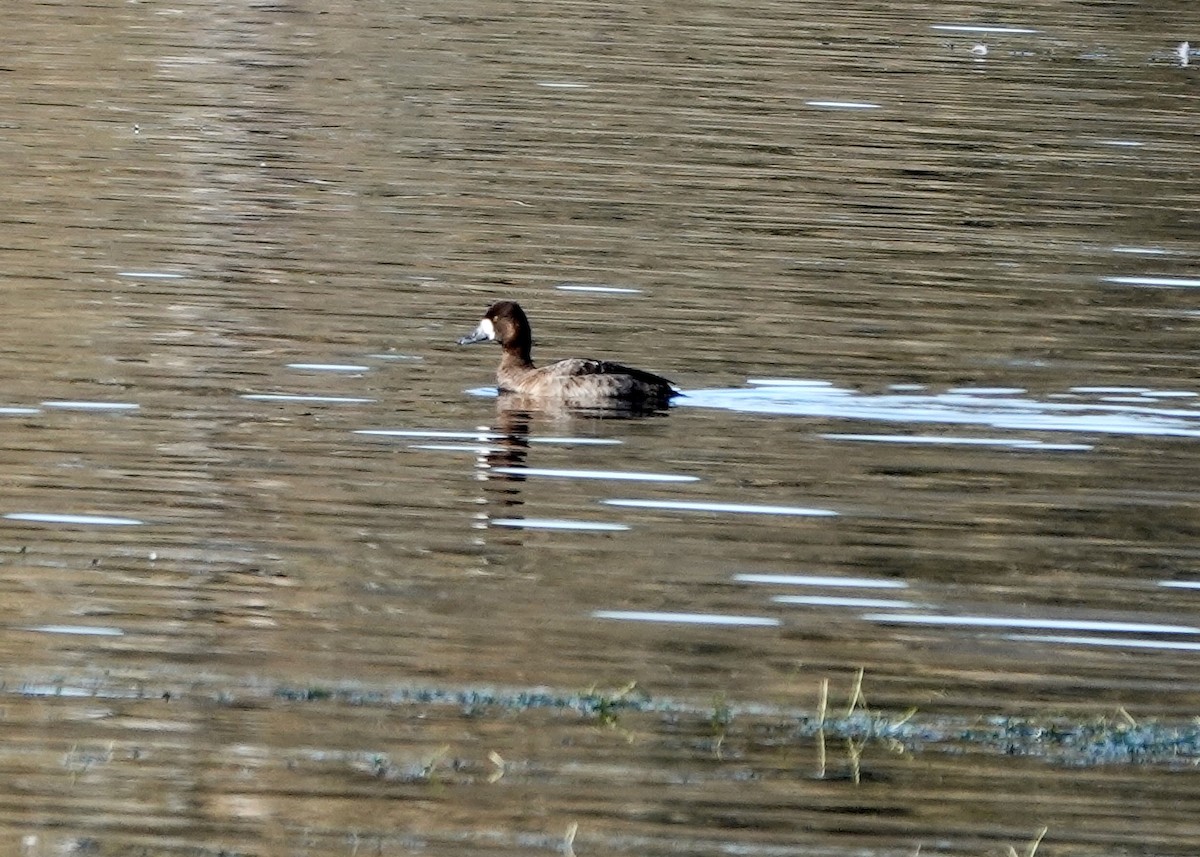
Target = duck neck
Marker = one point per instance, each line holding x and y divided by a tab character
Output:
516	357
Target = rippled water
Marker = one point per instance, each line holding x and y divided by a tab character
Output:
912	567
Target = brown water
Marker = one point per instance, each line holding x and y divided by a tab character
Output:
281	574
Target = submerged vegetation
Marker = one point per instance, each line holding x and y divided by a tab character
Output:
1104	739
424	743
1114	739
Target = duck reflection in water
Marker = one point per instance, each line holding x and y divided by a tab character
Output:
499	471
509	449
502	465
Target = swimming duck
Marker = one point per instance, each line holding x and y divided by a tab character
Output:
576	381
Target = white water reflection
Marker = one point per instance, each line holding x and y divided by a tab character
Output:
805	382
1156	282
91	406
76	630
61	690
981	28
962	441
477	449
734	508
329	367
844	105
1108	642
595	474
839	601
1019	622
820	580
558	524
805	398
446	435
85	520
685	618
988	391
609	290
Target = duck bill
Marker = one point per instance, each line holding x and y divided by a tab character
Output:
481	334
473	338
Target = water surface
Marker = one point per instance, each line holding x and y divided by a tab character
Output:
911	569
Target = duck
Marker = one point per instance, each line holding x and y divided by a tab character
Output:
573	382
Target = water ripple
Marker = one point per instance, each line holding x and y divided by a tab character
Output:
685	618
85	520
1020	413
1020	622
595	474
558	524
820	580
735	508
